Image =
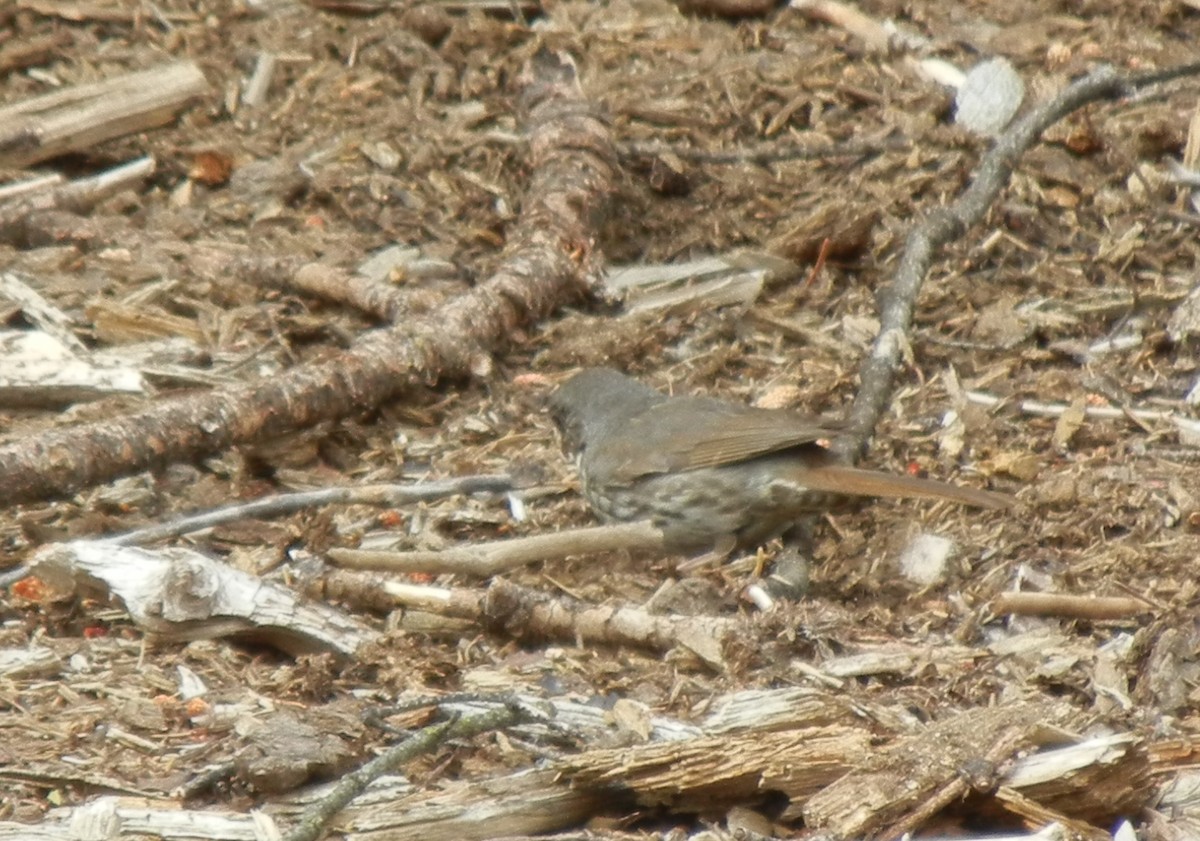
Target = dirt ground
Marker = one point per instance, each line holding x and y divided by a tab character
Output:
1074	292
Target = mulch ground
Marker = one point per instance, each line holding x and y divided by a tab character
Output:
1072	293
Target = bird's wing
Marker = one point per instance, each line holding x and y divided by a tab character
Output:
688	433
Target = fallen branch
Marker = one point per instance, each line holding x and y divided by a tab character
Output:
281	504
518	611
1069	606
551	258
317	816
79	117
897	300
32	208
371	296
764	154
497	556
380	300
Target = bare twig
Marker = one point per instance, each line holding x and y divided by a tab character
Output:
1055	410
898	299
873	34
39	183
494	557
81	116
282	504
1069	606
317	816
287	503
550	259
513	609
768	153
260	80
18	216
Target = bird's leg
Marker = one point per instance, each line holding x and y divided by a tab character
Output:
720	551
789	577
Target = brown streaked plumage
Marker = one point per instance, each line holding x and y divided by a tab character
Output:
708	471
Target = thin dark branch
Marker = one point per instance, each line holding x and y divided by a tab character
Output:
768	153
276	506
897	300
317	816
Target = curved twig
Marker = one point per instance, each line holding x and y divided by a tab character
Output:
897	300
551	259
317	817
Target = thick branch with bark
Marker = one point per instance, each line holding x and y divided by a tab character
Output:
519	611
551	258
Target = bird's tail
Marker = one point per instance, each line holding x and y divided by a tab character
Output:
857	482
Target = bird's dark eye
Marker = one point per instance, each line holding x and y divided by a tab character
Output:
571	433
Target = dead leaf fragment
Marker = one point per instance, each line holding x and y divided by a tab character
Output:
779	397
847	227
989	97
1185	321
1000	324
1069	422
211	168
632	717
1018	464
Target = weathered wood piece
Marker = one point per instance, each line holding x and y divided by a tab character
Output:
79	117
179	594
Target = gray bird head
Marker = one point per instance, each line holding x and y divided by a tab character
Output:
596	402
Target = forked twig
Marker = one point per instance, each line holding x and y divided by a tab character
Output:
897	300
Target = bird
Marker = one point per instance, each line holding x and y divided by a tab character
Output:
713	474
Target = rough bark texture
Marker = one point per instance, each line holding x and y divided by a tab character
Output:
550	259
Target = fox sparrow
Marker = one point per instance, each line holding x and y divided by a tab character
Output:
713	474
